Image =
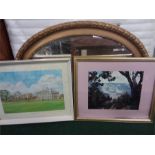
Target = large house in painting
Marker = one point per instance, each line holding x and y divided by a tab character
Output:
48	94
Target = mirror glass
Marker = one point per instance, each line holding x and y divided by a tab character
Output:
82	45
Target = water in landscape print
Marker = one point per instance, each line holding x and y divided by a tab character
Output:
31	91
114	89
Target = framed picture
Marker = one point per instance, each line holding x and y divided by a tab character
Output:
33	91
114	89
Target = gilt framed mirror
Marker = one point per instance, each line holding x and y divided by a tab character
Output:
82	38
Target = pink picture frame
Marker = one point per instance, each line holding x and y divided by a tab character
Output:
114	89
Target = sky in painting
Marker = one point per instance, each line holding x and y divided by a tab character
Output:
118	78
118	86
31	81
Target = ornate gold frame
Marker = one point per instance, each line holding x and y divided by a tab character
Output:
78	28
111	59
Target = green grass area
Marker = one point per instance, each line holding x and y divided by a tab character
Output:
33	106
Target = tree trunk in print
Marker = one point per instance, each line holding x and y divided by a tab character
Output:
135	86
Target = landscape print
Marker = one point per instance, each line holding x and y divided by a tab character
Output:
31	91
114	89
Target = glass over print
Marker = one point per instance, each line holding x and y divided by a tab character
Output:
114	89
31	91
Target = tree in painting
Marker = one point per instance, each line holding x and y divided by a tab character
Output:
95	96
114	90
4	95
135	85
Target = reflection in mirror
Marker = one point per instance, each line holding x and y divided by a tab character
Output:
82	45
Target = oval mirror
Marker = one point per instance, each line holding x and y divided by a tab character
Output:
82	46
82	38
